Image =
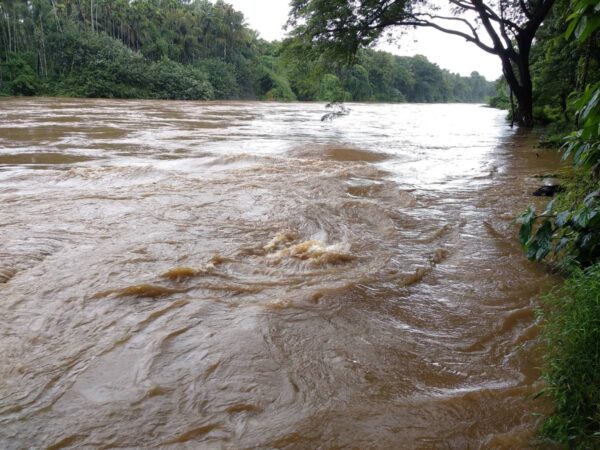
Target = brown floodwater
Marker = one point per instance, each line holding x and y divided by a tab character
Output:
242	275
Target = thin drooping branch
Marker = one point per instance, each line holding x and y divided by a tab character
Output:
489	28
508	41
426	23
505	55
457	19
417	21
490	13
462	5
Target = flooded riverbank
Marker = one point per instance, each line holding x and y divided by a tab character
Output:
243	275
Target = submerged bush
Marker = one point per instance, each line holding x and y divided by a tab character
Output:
571	334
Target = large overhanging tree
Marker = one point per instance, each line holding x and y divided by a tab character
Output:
505	28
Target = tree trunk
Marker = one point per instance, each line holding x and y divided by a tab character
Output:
515	67
524	112
526	101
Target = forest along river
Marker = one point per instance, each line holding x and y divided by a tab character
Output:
243	275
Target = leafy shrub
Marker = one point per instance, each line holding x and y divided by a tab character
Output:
272	86
500	100
19	76
222	76
570	225
569	228
170	80
331	89
554	134
584	144
571	334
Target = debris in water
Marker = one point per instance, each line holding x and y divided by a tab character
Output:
548	190
337	110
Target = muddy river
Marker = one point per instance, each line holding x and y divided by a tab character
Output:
245	276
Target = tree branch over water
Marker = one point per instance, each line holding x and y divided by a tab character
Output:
509	28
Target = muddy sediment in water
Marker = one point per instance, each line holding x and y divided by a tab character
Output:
243	275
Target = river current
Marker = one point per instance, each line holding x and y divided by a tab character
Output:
237	275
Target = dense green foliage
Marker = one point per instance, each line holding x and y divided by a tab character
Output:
178	49
567	84
571	334
560	67
569	228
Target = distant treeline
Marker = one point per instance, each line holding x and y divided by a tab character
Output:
196	50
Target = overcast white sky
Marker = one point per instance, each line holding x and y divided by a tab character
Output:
449	52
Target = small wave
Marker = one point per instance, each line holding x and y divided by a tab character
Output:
353	155
243	408
317	253
177	273
241	160
493	231
141	290
339	154
43	158
280	239
192	434
6	273
415	277
437	234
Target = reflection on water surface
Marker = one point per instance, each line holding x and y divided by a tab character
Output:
243	275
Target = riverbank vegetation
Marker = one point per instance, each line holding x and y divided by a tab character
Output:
196	50
571	337
567	232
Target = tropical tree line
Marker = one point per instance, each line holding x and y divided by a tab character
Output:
200	50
